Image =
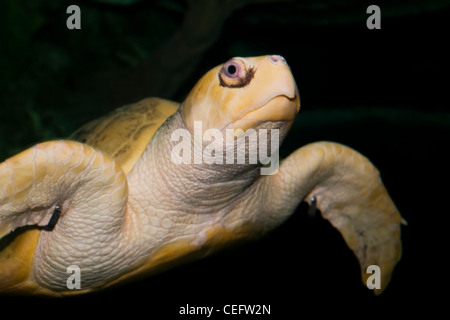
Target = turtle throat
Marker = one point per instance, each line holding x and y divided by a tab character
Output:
201	175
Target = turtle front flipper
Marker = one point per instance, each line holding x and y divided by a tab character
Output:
70	196
348	191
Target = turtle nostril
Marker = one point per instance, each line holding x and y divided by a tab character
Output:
276	59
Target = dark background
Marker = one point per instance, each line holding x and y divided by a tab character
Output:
382	92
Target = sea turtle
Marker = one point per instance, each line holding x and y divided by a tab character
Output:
155	184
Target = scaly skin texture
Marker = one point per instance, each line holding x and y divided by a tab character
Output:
129	211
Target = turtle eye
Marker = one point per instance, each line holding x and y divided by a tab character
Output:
236	73
232	69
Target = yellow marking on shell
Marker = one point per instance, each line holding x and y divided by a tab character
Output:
125	133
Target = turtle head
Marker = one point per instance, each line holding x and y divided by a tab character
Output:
242	93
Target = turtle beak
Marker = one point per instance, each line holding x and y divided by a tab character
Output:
284	102
281	107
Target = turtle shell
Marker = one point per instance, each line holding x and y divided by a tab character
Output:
125	132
